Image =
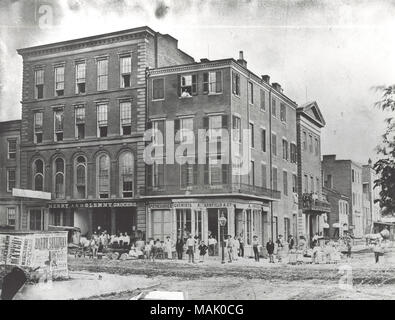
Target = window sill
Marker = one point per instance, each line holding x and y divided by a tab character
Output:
156	100
185	97
214	93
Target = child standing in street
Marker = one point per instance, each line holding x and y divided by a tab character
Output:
203	251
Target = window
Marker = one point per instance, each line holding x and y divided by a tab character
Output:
11	179
126	71
236	129
11	217
126	165
39	83
328	181
102	124
352	175
59	81
318	185
274	108
274	144
263	98
212	82
250	93
312	184
294	183
102	74
80	77
158	89
59	178
304	141
188	174
104	176
263	173
252	139
158	175
251	177
12	149
36	220
285	149
58	125
293	153
317	147
38	175
79	112
311	143
274	175
353	199
188	86
126	117
263	140
38	127
285	182
161	224
236	83
186	126
158	127
283	112
80	177
306	184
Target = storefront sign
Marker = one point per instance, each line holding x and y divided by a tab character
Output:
160	205
106	204
202	205
23	193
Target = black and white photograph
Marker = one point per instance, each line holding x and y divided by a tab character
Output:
197	150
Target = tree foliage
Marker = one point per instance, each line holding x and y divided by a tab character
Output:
385	166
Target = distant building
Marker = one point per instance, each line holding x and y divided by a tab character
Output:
345	176
9	173
338	216
312	204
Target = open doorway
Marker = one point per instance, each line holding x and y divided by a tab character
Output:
125	220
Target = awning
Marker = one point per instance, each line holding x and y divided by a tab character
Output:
325	226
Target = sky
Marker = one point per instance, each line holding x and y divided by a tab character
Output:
333	52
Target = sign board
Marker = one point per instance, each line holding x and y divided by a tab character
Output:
92	204
24	193
48	251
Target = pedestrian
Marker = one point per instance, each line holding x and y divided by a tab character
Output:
236	247
270	250
190	249
377	249
255	247
179	247
291	242
241	241
280	247
229	247
202	250
169	246
211	245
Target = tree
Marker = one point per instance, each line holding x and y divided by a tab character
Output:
385	167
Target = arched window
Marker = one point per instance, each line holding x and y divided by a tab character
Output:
38	175
59	178
80	177
103	175
126	168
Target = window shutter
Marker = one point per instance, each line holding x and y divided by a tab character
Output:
225	121
224	173
176	129
149	176
179	85
194	84
218	78
205	123
205	82
206	172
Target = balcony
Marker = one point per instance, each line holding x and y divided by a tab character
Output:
309	203
191	190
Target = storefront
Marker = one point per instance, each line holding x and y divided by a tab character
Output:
114	216
199	217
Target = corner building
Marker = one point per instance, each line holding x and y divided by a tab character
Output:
83	119
190	198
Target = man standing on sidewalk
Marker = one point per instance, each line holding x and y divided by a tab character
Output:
270	250
191	247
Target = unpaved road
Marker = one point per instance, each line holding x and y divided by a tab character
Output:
244	280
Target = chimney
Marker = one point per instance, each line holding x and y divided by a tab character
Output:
241	60
266	78
204	60
277	87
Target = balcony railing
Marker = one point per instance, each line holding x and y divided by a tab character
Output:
310	203
210	189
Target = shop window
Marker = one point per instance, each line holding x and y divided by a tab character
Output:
161	224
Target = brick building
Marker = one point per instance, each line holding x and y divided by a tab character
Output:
345	176
338	217
83	119
312	205
9	172
191	197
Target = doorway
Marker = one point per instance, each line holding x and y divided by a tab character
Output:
125	220
101	217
